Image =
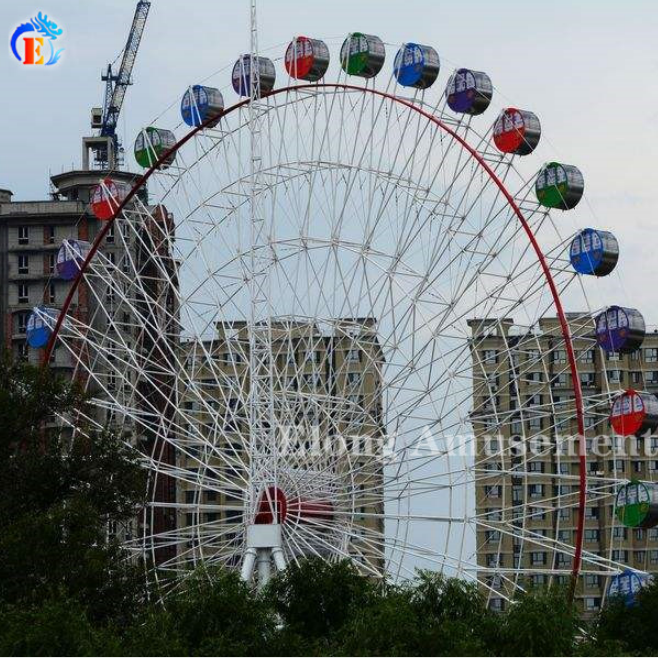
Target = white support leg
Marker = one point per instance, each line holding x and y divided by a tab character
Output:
264	546
264	565
248	562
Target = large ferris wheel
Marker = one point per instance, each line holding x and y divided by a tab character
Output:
337	320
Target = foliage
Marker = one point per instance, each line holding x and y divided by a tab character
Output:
66	589
315	598
214	614
60	491
57	627
628	630
540	623
432	616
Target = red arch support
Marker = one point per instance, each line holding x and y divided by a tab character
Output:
564	325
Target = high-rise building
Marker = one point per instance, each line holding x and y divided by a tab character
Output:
327	392
526	500
31	233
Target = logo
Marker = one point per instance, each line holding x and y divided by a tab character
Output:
35	35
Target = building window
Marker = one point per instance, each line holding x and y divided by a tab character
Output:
619	556
592	581
354	379
51	296
589	421
353	356
619	533
587	379
653	557
536	490
615	376
592	535
489	356
613	356
537	514
494	561
564	536
534	423
492	491
587	356
493	514
559	356
22	322
23	264
563	560
592	603
492	535
52	259
591	513
537	558
636	377
50	235
651	377
534	400
496	605
23	235
23	293
560	381
651	354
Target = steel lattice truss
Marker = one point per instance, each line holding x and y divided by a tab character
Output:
382	248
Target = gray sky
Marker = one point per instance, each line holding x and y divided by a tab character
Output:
588	68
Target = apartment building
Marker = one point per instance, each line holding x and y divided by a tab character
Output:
327	396
31	233
526	501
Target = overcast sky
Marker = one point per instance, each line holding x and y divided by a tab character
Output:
588	68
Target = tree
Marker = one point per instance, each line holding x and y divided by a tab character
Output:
542	622
57	627
629	629
213	614
430	616
315	598
60	490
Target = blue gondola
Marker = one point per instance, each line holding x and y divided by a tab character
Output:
594	252
416	66
200	104
40	326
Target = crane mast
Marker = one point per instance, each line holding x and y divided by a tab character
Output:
107	151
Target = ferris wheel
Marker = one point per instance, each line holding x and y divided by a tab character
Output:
337	322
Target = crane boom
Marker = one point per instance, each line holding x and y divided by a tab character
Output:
117	84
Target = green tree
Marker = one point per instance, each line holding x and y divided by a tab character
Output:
542	622
57	627
632	630
60	490
214	613
430	616
315	598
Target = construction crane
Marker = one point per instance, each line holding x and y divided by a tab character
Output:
107	148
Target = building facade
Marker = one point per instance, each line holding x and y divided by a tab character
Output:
527	464
327	392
